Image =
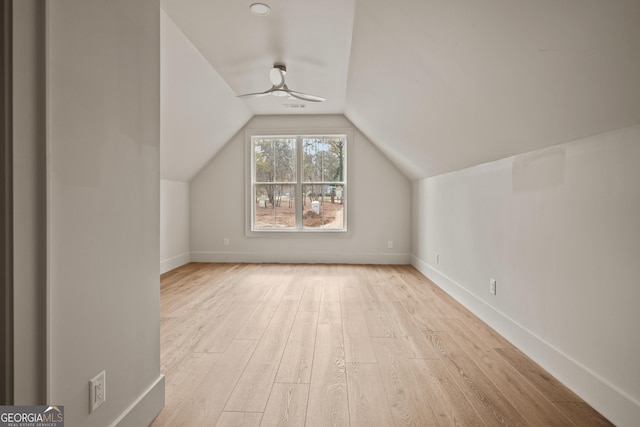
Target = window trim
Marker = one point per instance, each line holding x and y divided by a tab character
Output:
249	174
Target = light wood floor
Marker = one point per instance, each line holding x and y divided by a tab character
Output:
250	345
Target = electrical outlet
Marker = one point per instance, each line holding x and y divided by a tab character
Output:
492	286
97	391
390	244
225	241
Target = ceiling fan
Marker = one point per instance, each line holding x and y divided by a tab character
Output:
279	88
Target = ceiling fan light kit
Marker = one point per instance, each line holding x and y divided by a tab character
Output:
279	87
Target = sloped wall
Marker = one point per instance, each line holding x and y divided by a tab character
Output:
559	229
380	198
199	111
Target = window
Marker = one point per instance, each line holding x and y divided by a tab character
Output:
298	183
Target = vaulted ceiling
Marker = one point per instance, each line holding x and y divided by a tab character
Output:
437	85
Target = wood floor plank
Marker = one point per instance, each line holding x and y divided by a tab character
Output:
368	404
296	362
403	392
350	296
480	329
287	405
542	380
253	388
239	419
186	295
492	406
296	283
220	334
527	400
443	303
170	277
357	342
181	381
189	375
582	414
207	400
209	299
187	291
430	307
379	324
384	290
370	301
172	327
254	326
330	290
328	401
303	324
401	289
449	404
182	338
250	287
330	313
190	320
312	294
415	281
422	312
414	341
220	285
432	325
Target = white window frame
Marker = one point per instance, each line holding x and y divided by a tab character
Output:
251	231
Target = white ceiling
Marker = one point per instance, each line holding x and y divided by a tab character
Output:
436	85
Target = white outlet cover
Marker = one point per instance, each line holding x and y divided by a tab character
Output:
97	391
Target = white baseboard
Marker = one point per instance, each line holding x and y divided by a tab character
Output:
145	408
301	258
616	405
175	262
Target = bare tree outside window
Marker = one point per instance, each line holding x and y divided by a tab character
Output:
275	178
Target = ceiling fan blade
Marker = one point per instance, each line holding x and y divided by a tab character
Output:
306	96
276	75
279	88
256	94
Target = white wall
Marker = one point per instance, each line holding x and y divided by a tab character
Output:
199	111
29	199
103	208
380	199
174	224
559	229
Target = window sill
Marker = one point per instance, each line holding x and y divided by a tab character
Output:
298	233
